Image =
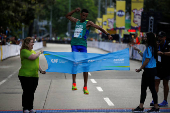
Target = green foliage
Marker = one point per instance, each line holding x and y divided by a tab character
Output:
159	6
15	12
61	8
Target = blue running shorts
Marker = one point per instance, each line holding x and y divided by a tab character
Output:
79	48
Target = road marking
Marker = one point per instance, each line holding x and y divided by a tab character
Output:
3	81
89	73
5	66
85	110
93	81
99	89
108	101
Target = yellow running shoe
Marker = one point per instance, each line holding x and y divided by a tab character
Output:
74	86
85	90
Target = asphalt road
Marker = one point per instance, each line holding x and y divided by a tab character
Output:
107	89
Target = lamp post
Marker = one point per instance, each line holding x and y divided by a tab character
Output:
69	24
105	6
51	23
99	1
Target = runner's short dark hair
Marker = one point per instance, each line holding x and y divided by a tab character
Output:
84	10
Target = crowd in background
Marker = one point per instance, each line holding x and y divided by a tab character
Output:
7	39
135	39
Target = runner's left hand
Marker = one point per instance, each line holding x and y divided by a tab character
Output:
110	37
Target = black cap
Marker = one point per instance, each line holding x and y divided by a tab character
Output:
162	34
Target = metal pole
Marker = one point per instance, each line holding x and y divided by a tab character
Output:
151	24
120	37
69	24
99	1
22	30
105	6
38	26
51	23
110	3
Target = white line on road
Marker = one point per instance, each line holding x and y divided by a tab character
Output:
99	89
89	73
3	81
108	101
93	81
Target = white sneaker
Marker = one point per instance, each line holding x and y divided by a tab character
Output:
32	111
26	111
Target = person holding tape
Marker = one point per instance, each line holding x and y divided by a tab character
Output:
28	73
148	77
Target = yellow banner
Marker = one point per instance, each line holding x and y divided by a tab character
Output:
110	19
110	22
105	22
136	12
99	23
110	10
120	14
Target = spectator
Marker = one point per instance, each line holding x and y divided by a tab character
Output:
1	30
137	40
143	40
132	40
7	32
18	41
163	67
13	40
7	41
3	39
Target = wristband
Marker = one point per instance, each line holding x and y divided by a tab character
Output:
107	34
139	51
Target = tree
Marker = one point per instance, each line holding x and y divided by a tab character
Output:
60	9
15	12
159	6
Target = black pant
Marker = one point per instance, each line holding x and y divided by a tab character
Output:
148	79
29	85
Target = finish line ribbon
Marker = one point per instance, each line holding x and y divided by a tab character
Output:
77	62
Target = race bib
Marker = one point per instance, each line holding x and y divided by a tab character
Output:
78	33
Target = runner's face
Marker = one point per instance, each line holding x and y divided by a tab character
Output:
30	45
83	16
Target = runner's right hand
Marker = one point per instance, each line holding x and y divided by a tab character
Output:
77	9
160	53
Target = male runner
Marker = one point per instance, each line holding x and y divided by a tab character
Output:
79	42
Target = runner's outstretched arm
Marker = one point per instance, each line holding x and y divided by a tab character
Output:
70	13
90	23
